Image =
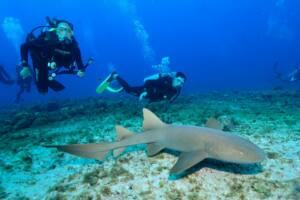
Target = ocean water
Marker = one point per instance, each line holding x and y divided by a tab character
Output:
227	49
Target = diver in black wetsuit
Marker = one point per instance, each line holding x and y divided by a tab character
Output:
158	87
24	84
4	77
51	50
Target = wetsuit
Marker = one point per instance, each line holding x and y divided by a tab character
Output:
4	77
47	48
157	89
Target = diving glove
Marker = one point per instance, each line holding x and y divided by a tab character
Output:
90	60
80	73
25	72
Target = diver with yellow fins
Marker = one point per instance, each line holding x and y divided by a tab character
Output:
158	87
54	48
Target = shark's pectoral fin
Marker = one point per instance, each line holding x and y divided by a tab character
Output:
154	148
187	160
95	151
151	121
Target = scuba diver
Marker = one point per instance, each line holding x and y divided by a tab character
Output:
291	77
158	87
24	83
54	48
4	77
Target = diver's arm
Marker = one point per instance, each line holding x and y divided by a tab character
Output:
152	77
78	60
174	96
24	54
38	43
159	76
143	96
79	63
26	71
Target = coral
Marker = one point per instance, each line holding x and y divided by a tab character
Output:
236	189
106	191
91	178
174	194
262	189
3	193
118	171
273	155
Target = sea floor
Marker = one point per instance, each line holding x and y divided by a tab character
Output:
270	119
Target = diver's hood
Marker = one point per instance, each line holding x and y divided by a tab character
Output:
65	21
54	22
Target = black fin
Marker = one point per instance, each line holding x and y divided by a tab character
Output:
56	86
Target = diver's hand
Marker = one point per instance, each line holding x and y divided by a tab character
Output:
25	72
142	96
90	60
80	73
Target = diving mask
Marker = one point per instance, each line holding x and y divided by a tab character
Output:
64	32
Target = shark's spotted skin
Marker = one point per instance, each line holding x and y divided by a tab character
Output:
194	143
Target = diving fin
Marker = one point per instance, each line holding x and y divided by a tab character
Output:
103	85
56	86
113	90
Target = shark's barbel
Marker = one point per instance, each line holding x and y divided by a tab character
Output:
194	144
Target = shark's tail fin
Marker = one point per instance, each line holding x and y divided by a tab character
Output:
96	151
122	133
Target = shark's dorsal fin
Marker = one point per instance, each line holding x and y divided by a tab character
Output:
187	160
122	133
151	121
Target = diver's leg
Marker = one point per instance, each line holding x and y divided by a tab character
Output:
41	72
136	91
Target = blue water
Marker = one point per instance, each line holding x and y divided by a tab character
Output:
220	45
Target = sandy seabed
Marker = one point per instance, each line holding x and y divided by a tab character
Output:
270	119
